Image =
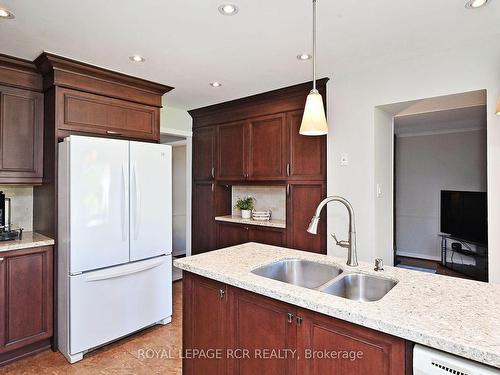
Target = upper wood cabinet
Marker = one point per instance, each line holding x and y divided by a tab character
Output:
306	155
267	148
26	297
90	100
204	140
232	151
21	122
254	150
100	115
21	140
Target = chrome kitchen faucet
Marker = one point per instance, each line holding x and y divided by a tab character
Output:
350	244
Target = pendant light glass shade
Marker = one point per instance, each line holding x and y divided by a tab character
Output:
314	119
498	107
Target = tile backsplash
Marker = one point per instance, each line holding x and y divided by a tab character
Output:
266	198
21	205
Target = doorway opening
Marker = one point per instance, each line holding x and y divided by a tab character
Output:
181	196
435	165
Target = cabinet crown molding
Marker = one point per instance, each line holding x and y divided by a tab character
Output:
65	72
19	73
285	99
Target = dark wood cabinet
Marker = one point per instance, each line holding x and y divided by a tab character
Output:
21	136
266	235
229	234
302	200
204	153
267	148
232	151
260	325
83	112
370	352
256	327
26	298
203	223
205	303
257	142
306	155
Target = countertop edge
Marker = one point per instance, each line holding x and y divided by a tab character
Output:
449	346
236	220
38	240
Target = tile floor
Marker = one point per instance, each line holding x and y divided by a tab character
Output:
142	353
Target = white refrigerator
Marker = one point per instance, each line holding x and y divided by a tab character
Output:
115	240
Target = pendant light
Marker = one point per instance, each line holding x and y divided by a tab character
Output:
314	119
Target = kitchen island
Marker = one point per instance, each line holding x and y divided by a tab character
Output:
457	316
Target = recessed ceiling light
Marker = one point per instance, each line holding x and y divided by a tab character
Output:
215	84
137	58
304	56
4	13
474	4
228	9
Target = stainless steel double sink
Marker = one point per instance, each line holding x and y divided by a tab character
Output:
327	279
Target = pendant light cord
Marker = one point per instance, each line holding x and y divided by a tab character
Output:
314	45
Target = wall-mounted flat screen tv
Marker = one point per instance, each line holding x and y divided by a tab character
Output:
464	214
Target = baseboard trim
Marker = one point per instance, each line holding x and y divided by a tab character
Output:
28	350
409	254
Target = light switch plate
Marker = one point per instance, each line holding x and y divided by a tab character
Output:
344	159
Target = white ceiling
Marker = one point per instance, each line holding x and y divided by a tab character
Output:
188	44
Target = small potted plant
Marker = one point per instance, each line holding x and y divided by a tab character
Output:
245	204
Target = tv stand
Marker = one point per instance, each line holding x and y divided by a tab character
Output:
475	250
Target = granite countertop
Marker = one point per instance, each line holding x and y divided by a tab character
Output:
237	219
30	239
457	316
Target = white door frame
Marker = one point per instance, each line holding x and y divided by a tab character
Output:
189	146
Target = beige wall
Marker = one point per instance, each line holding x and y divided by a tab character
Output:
351	104
174	119
21	205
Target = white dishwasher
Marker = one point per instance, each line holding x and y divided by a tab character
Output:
428	361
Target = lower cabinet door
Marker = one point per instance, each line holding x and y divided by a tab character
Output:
330	346
231	234
262	335
204	326
26	297
267	236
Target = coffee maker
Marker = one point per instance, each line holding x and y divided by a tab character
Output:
6	232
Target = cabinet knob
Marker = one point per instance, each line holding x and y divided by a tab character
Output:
213	172
113	132
288	169
222	292
289	317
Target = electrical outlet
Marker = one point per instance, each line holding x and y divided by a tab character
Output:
344	159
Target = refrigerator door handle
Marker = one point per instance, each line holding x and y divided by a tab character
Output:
137	204
124	203
107	274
